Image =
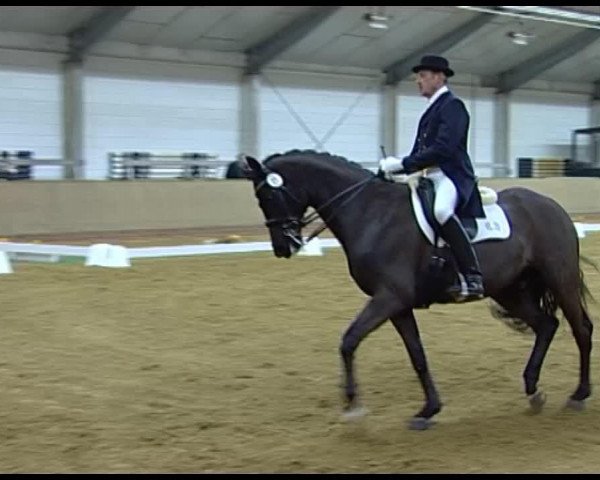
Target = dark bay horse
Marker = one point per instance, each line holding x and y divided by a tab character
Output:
530	275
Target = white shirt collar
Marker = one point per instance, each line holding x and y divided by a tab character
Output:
437	95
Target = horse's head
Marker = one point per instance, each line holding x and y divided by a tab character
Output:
281	205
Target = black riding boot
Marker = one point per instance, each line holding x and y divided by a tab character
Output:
454	234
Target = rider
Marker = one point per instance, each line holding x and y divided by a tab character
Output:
441	148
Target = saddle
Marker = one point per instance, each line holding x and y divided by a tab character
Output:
426	193
494	226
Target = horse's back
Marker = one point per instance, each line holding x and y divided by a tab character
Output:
524	201
540	224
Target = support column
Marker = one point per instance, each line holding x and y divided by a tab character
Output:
595	122
249	142
595	112
503	164
388	119
73	120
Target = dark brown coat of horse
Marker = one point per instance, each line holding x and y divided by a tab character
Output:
531	274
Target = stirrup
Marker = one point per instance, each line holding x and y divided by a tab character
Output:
461	293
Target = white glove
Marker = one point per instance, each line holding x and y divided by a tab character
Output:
390	164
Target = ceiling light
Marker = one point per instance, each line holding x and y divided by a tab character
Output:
376	21
520	38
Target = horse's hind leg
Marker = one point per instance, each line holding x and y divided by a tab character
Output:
582	327
565	281
523	301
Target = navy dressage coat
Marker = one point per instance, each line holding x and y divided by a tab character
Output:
442	141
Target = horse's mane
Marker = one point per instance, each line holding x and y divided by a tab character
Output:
326	156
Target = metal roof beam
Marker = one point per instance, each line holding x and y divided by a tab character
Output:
533	67
400	69
82	38
265	51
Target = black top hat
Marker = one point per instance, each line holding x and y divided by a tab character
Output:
434	63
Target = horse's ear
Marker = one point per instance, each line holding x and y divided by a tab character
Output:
254	167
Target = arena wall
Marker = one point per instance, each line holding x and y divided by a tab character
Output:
89	206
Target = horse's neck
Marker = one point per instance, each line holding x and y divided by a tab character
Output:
327	187
350	215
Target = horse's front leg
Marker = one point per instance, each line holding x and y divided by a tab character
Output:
406	326
374	314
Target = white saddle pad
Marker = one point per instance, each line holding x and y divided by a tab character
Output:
494	226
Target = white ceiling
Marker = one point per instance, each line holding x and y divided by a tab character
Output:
342	40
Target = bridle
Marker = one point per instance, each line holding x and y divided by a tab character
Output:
290	223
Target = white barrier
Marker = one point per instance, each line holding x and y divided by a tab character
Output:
145	252
5	266
125	254
33	257
312	248
38	248
106	255
583	228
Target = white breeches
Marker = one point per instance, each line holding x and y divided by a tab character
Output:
446	196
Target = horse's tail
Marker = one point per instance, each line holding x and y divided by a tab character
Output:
548	305
584	291
505	317
548	302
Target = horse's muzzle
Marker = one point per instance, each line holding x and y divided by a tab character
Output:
280	254
286	237
292	245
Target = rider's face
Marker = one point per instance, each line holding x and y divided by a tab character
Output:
429	82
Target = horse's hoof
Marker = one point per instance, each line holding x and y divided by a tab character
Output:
537	401
420	423
354	414
577	405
